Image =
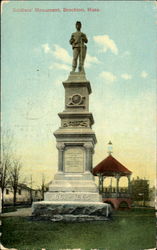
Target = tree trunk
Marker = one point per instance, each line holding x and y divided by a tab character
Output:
14	197
31	198
42	193
144	203
2	200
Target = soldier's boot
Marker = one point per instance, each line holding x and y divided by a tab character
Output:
73	69
81	69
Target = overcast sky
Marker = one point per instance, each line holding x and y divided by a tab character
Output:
120	64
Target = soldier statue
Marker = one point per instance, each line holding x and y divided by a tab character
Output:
78	40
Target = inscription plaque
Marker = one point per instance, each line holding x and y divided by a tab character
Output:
74	160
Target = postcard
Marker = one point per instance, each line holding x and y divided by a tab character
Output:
78	125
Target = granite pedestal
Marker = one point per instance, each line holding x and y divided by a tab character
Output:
73	194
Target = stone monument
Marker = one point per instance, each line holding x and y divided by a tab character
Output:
73	194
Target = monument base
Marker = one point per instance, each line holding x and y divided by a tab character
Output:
71	211
73	194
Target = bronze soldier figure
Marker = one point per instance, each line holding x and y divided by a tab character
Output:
78	40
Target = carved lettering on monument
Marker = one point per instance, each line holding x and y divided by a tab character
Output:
83	123
71	197
74	160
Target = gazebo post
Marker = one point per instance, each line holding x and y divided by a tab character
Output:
117	187
129	183
103	183
100	183
102	187
99	176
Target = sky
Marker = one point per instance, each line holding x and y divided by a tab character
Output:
120	65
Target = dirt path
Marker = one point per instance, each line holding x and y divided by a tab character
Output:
22	212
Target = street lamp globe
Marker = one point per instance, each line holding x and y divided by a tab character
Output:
110	148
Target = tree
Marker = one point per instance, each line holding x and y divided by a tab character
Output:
31	189
14	174
43	186
10	166
4	177
5	164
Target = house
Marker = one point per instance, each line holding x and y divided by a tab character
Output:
24	195
142	194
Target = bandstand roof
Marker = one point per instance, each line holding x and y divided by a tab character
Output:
110	166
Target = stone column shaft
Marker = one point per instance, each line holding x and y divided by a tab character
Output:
88	166
88	160
60	160
60	148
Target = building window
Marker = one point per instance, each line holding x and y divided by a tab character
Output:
7	191
19	191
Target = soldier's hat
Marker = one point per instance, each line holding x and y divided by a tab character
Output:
78	22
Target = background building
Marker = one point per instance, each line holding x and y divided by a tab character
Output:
142	195
25	195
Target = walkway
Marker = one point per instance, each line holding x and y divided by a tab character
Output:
22	212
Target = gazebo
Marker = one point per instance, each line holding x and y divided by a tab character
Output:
110	167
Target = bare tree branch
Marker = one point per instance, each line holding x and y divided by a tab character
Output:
14	173
5	164
10	165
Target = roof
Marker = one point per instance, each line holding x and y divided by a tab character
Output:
110	166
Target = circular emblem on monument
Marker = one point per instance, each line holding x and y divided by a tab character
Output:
76	99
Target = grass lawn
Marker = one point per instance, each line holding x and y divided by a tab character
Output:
128	230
